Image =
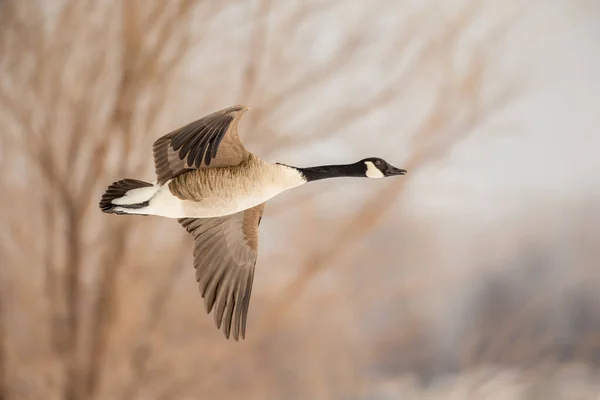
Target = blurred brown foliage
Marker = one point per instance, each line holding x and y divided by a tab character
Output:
102	307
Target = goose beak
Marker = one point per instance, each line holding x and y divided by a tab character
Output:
391	171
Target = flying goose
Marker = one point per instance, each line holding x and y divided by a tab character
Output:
217	189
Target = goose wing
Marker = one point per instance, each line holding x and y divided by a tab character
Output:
211	141
225	253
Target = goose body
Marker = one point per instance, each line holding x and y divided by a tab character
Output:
217	190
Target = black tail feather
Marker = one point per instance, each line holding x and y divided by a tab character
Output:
118	189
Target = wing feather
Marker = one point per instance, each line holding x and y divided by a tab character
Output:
225	254
211	141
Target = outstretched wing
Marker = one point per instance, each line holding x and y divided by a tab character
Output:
225	253
211	141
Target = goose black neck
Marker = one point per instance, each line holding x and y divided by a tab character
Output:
332	171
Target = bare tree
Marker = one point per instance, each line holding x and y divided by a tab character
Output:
76	108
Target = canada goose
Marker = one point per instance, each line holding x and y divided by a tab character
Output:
216	189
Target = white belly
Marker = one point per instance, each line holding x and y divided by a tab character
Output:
217	207
165	204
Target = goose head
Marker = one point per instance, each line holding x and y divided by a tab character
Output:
375	167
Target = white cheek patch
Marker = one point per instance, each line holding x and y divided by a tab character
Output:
373	171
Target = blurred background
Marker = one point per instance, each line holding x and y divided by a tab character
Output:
476	276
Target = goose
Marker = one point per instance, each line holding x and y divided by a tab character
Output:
217	190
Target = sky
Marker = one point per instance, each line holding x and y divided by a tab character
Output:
544	146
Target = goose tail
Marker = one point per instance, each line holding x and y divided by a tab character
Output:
127	194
